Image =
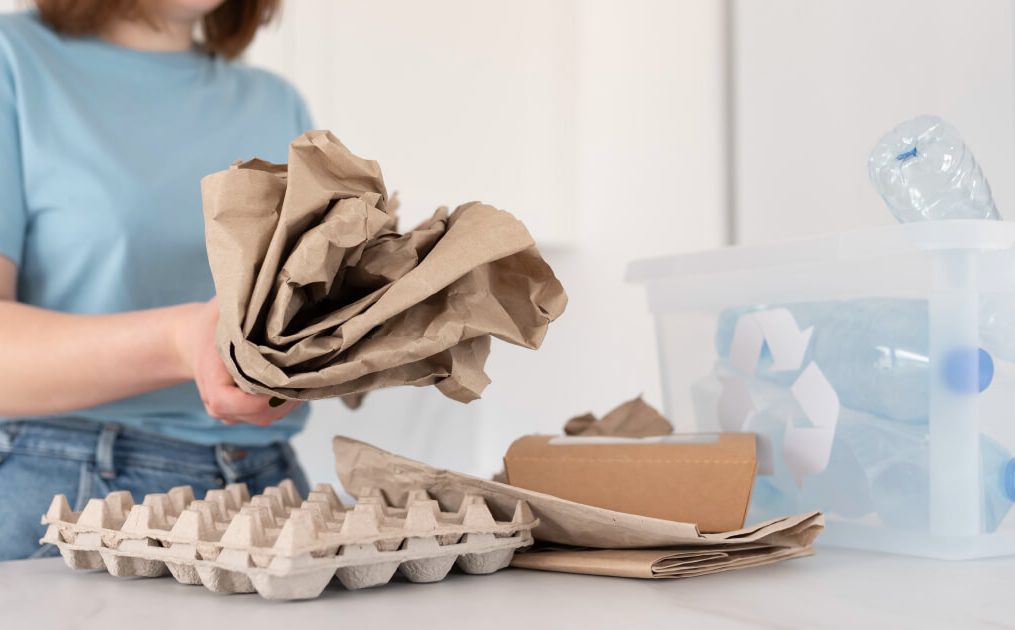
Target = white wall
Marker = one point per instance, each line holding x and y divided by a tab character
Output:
458	100
819	81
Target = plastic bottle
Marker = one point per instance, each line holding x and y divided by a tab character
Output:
873	351
924	171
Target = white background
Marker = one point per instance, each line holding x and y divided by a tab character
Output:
618	129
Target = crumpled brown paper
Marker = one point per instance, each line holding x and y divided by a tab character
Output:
634	418
360	466
321	296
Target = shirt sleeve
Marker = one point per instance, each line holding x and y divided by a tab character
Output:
13	212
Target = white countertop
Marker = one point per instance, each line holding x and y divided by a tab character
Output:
835	588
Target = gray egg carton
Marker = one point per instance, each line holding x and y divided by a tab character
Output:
280	545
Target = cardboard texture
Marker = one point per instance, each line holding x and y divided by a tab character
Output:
321	296
635	418
699	478
280	545
564	522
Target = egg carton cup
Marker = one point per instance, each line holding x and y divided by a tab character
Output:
281	545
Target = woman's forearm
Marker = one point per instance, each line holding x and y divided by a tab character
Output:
54	362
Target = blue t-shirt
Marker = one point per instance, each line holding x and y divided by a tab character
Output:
102	149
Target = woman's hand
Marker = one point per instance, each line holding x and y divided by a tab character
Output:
221	397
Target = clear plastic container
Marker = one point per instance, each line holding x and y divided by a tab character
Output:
903	435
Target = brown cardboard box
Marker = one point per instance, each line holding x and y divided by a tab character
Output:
701	478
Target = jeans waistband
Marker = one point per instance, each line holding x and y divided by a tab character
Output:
110	445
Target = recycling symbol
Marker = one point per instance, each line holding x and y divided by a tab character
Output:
805	449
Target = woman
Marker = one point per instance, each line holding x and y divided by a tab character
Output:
110	114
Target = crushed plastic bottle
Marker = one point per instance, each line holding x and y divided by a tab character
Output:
924	172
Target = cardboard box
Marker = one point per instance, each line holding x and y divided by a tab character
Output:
704	479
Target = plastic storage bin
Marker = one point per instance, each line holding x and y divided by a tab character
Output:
877	367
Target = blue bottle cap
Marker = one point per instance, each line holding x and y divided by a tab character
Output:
968	371
1009	479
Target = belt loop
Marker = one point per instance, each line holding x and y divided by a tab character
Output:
225	462
104	451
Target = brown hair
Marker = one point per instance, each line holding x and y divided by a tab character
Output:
226	31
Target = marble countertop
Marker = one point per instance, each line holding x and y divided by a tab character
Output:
835	588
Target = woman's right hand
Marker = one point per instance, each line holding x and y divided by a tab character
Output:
222	398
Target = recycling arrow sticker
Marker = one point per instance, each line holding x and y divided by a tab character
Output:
786	342
805	449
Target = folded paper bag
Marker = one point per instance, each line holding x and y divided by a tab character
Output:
321	296
693	478
676	562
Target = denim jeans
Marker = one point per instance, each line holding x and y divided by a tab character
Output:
85	460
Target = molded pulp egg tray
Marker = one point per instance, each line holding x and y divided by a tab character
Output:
279	545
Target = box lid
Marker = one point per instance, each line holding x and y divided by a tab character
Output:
865	243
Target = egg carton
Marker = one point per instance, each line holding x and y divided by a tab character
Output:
281	545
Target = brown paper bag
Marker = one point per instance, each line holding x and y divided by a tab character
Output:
676	562
634	418
321	296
